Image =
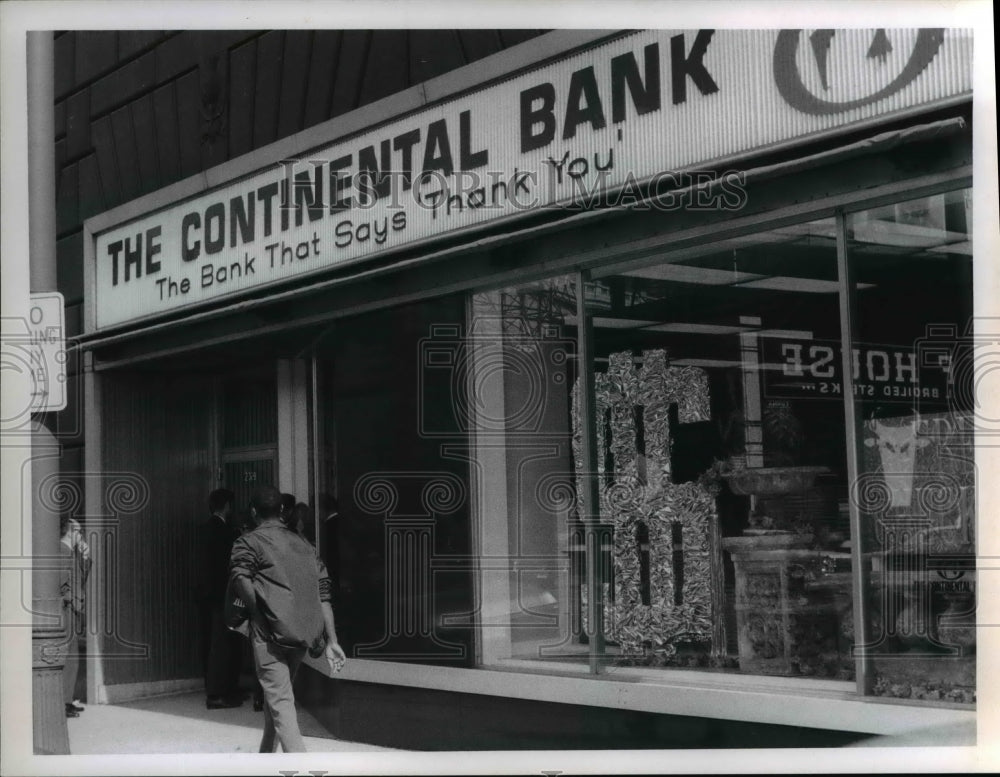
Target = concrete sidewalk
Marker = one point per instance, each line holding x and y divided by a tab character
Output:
181	724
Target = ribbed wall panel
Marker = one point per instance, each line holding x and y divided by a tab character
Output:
250	413
158	429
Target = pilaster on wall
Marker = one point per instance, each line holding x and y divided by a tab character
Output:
94	505
492	508
293	428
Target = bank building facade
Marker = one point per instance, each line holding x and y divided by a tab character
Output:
637	364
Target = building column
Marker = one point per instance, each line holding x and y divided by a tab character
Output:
50	638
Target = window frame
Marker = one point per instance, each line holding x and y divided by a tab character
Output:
622	257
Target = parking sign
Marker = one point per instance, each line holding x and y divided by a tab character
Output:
47	348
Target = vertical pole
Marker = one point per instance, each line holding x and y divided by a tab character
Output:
98	621
293	427
752	405
284	384
49	637
41	161
316	454
753	432
861	583
594	535
301	428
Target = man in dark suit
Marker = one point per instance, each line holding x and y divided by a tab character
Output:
222	648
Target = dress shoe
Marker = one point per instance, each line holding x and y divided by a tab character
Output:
221	703
75	707
70	712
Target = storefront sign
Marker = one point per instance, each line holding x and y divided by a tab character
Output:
644	109
883	373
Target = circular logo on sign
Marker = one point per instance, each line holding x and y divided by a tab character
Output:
789	78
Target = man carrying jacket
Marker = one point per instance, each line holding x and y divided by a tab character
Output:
286	589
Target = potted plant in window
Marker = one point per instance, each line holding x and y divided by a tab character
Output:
772	485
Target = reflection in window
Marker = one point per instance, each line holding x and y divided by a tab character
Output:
916	489
721	456
522	361
719	373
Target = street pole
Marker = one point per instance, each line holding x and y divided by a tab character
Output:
49	635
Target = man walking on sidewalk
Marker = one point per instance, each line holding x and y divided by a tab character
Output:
285	586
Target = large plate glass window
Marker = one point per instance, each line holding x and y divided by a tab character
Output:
395	457
520	348
720	459
719	418
912	355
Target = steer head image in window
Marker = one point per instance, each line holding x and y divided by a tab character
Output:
897	447
921	468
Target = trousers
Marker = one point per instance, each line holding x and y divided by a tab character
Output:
276	667
71	668
223	655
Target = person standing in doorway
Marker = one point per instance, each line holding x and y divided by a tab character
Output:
76	568
247	523
328	536
288	508
302	523
284	584
221	647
